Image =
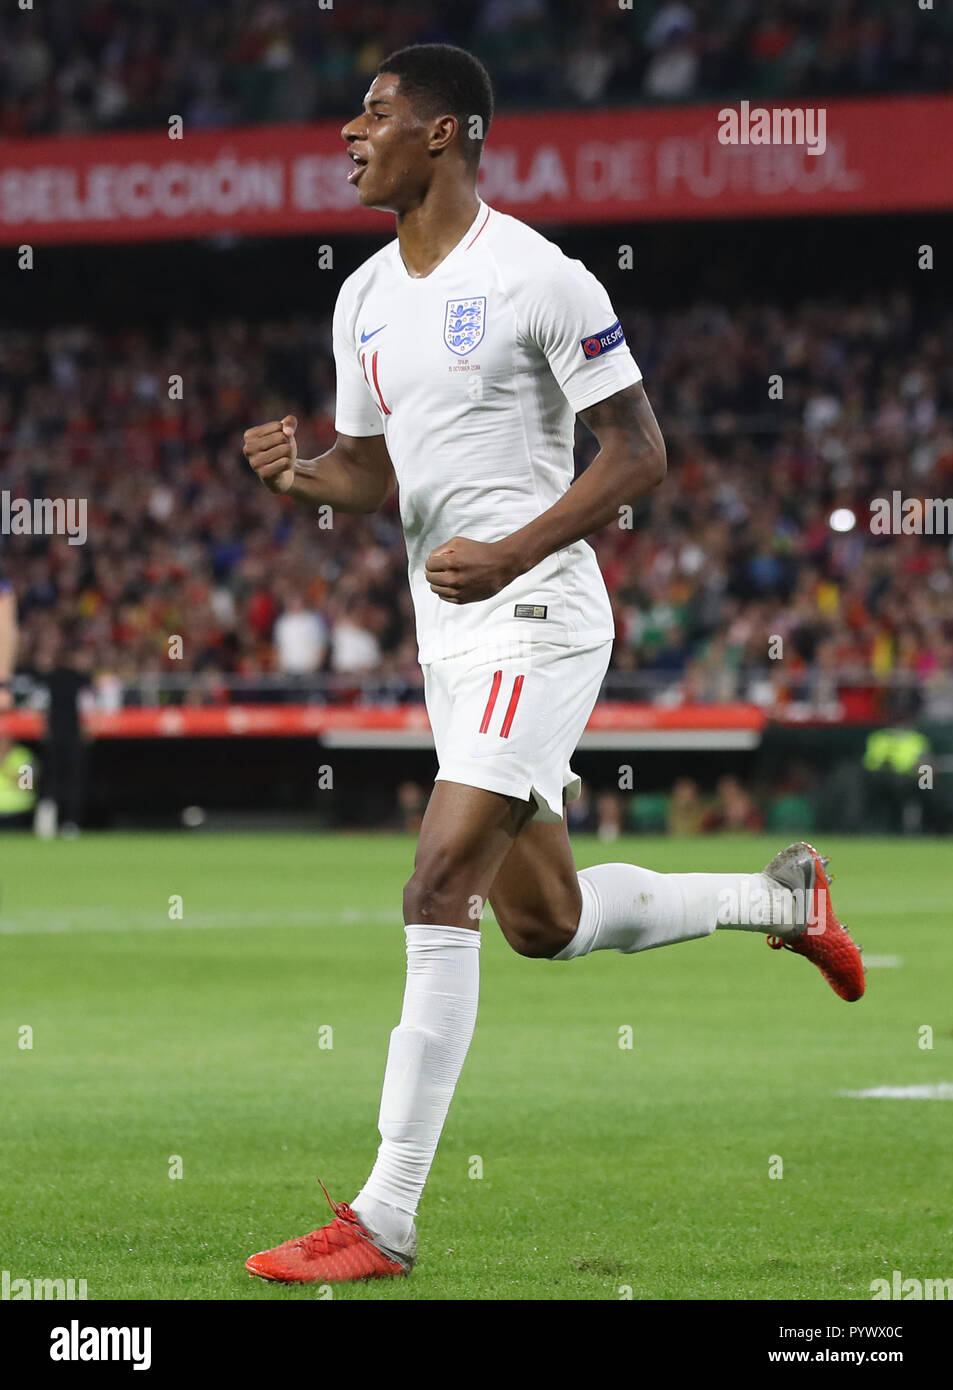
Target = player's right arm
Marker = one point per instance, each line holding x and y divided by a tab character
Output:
355	475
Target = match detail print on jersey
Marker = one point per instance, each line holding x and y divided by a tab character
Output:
510	709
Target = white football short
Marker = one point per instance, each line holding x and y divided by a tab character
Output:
511	723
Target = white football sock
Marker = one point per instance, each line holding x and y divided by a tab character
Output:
626	908
424	1061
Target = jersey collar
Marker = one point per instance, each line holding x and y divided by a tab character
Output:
474	230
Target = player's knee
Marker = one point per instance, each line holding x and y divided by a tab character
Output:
434	893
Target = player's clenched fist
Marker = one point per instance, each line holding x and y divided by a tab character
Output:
271	450
465	571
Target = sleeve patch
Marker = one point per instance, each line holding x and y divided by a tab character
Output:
609	338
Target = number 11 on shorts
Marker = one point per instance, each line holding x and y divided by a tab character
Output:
510	709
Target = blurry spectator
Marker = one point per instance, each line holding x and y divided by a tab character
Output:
589	68
18	777
300	639
354	648
672	73
685	812
62	668
734	809
411	804
671	20
580	815
9	638
609	814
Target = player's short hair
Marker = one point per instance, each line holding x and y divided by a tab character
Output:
440	79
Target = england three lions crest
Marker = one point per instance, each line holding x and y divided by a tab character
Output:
464	324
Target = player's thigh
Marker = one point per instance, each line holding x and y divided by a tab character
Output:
535	896
466	834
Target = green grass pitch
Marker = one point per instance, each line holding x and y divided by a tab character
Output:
604	1168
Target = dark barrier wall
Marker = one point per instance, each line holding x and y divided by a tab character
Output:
799	779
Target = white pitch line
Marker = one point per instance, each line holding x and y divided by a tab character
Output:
882	962
34	922
942	1090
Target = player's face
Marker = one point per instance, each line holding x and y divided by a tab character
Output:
389	144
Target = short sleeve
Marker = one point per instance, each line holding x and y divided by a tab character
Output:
571	320
355	413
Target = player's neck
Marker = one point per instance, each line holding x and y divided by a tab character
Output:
428	232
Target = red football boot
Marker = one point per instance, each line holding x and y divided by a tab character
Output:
344	1249
822	939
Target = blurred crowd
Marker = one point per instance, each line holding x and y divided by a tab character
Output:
683	810
129	64
729	582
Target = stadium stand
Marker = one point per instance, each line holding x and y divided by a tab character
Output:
736	545
126	64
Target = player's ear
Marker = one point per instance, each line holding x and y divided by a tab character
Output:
443	131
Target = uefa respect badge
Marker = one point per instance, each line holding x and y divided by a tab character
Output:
598	343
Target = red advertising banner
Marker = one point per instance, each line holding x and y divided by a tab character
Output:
297	721
880	155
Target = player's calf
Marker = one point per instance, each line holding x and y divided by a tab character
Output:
534	937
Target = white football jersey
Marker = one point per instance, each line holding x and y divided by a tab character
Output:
474	375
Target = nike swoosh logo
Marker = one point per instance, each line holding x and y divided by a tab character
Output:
481	751
365	337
